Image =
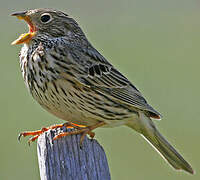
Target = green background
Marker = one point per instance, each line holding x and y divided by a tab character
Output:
155	43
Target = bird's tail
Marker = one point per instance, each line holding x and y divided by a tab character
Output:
164	148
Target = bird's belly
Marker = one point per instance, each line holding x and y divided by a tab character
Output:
80	105
70	115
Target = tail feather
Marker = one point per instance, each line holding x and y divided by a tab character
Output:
165	149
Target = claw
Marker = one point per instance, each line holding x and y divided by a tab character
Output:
37	133
91	134
32	139
19	137
80	129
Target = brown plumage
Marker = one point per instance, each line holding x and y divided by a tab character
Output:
73	81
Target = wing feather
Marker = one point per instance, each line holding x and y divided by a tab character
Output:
110	81
96	72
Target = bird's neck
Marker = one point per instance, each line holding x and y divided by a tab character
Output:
49	41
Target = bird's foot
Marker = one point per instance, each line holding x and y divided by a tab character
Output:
81	130
37	133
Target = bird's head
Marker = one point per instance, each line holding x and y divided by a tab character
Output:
48	22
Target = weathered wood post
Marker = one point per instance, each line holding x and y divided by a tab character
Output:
63	159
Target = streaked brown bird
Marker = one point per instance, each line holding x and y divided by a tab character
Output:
69	78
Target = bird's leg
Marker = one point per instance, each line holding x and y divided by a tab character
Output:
81	130
37	133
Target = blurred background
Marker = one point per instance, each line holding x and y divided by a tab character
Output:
155	43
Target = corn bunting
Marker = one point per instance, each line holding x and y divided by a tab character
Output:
69	78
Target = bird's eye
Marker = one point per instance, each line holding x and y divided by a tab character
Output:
45	18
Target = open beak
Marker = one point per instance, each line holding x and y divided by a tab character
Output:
24	38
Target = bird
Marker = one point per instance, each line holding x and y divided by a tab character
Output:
69	78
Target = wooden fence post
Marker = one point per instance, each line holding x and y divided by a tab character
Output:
63	159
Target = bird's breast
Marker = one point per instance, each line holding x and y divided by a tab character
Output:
51	82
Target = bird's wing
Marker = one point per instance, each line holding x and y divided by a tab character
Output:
102	76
